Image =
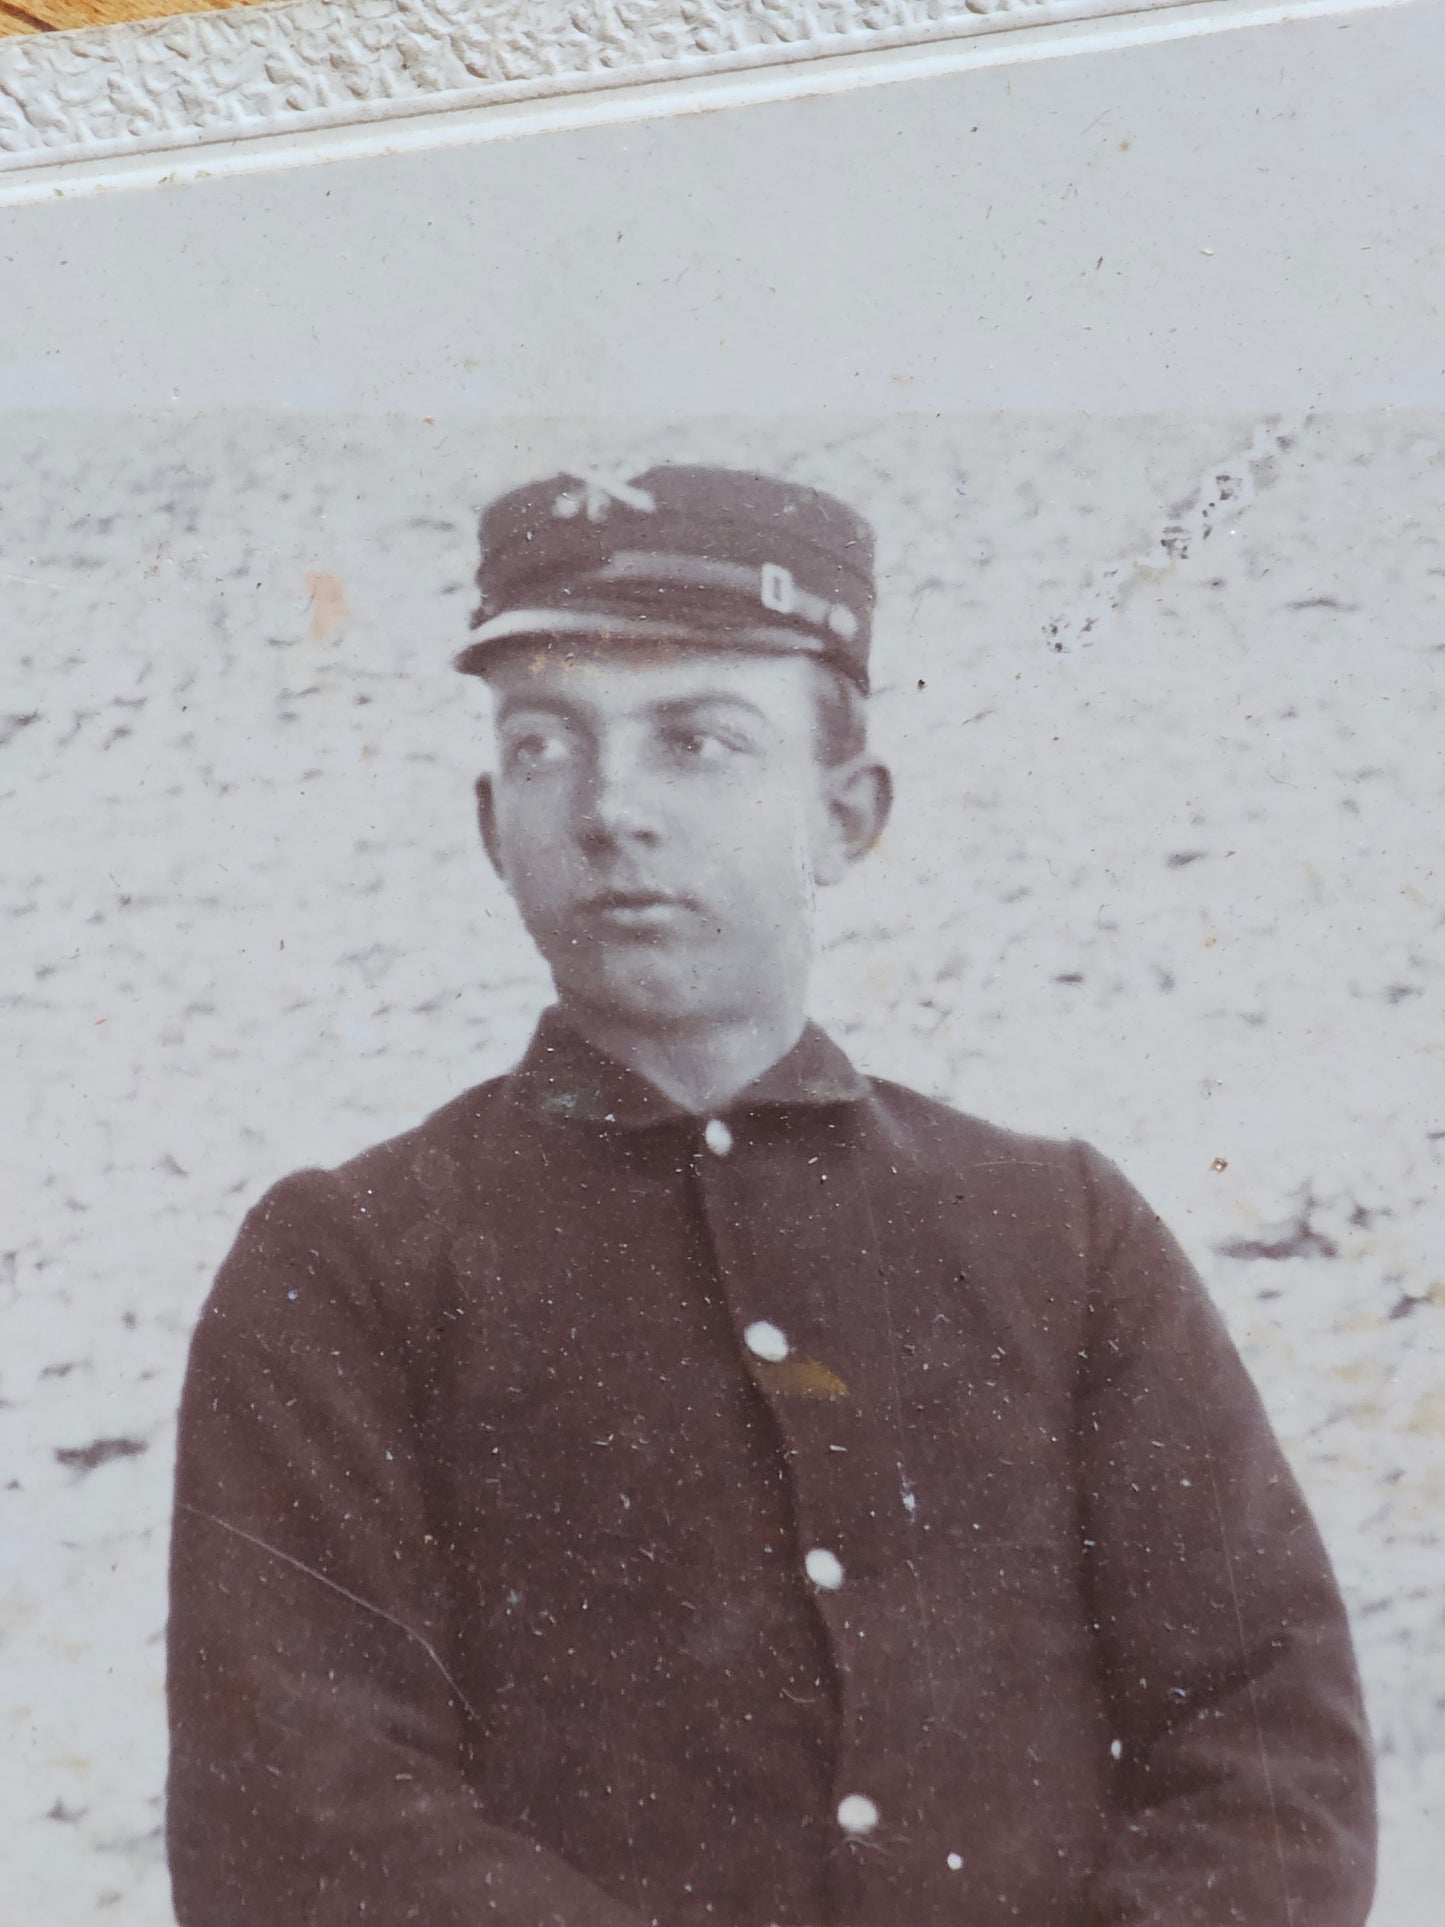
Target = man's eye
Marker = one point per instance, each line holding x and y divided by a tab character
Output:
701	745
538	749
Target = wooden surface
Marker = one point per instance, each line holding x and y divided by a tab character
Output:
54	16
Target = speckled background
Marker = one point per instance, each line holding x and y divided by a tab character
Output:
1164	697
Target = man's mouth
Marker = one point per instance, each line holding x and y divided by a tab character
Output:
639	910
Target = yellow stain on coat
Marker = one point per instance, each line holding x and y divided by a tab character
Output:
799	1378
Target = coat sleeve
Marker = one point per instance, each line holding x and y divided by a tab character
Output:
317	1731
1244	1757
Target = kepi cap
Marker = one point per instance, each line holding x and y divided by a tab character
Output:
712	557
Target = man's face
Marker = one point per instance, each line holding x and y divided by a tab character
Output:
662	820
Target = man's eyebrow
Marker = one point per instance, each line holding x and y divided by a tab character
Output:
707	699
529	702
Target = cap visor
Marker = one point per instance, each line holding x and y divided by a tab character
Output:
561	625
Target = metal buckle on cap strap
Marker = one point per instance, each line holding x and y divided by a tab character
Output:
779	592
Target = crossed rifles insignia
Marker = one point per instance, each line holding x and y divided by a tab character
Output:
595	492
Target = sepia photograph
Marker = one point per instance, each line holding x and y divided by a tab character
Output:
725	1141
699	968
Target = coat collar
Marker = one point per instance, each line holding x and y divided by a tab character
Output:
563	1076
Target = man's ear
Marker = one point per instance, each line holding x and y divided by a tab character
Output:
487	823
859	802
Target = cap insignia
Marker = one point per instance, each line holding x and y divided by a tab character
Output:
595	493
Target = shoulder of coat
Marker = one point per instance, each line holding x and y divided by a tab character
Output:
956	1136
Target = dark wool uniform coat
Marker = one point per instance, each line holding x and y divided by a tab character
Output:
503	1450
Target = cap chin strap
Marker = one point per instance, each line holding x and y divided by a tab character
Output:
771	585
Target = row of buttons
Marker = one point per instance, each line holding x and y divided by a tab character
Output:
765	1341
857	1814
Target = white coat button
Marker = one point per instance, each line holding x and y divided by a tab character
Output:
717	1137
824	1568
766	1341
955	1862
857	1814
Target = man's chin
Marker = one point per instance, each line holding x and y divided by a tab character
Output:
643	992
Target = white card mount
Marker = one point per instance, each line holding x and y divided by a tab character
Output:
363	75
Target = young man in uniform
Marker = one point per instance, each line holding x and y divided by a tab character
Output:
686	1481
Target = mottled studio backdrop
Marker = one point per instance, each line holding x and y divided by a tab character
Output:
1164	697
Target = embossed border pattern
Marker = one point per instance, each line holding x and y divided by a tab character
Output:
180	82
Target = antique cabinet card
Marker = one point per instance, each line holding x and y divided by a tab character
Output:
1120	332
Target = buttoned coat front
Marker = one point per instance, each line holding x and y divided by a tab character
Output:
502	1451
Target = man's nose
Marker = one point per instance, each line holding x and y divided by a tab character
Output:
617	801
